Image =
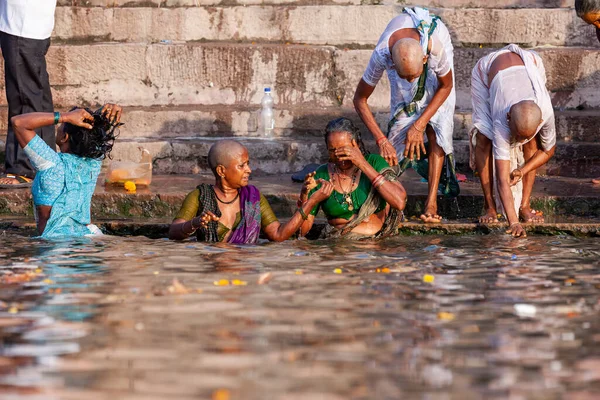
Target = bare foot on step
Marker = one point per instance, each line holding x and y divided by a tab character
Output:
489	217
430	215
528	215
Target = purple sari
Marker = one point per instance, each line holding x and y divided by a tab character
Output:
248	229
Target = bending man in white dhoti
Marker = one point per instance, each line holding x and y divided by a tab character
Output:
511	105
416	52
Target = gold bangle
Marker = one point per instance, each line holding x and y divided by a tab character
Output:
419	130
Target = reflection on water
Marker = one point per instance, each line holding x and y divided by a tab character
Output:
422	317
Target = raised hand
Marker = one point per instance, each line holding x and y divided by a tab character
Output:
324	191
203	219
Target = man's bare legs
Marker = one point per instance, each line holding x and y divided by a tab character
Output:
525	212
436	162
485	169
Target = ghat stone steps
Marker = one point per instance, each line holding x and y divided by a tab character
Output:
425	3
179	137
234	74
339	25
195	69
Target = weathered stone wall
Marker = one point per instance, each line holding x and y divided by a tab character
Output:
195	69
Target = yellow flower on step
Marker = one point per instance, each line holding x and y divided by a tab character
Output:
130	186
445	316
337	271
428	278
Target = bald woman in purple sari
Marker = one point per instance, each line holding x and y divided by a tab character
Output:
231	210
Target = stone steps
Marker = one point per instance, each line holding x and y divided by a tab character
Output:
292	3
196	69
338	25
286	155
194	121
234	74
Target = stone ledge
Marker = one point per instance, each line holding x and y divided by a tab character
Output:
556	196
160	229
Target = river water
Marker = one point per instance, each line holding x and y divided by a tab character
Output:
454	317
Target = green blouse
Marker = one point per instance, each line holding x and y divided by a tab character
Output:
191	204
335	206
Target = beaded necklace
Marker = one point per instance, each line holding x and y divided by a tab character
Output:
346	201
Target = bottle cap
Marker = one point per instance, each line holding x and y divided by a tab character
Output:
267	90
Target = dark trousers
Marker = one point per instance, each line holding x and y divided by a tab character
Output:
27	90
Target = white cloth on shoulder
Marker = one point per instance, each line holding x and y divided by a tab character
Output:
440	63
492	102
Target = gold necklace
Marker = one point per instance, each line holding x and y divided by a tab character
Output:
346	193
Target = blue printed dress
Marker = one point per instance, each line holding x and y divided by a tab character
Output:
66	182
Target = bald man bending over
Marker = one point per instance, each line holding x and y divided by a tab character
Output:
416	52
511	105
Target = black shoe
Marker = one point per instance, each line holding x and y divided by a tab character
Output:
299	176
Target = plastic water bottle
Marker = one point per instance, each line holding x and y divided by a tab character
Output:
266	113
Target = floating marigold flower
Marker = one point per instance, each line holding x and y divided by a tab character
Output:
221	282
428	278
130	186
337	271
237	282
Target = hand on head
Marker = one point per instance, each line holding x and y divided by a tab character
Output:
78	117
112	112
350	153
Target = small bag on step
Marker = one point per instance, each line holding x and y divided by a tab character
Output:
139	173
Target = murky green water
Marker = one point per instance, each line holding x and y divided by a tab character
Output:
478	317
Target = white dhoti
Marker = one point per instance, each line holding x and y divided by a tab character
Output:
436	43
492	102
442	122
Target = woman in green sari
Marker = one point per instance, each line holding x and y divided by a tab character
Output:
367	200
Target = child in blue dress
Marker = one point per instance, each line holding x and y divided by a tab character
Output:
65	182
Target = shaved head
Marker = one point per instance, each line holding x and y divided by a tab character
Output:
408	58
223	152
525	117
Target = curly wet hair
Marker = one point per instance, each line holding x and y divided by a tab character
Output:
96	143
583	7
344	124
